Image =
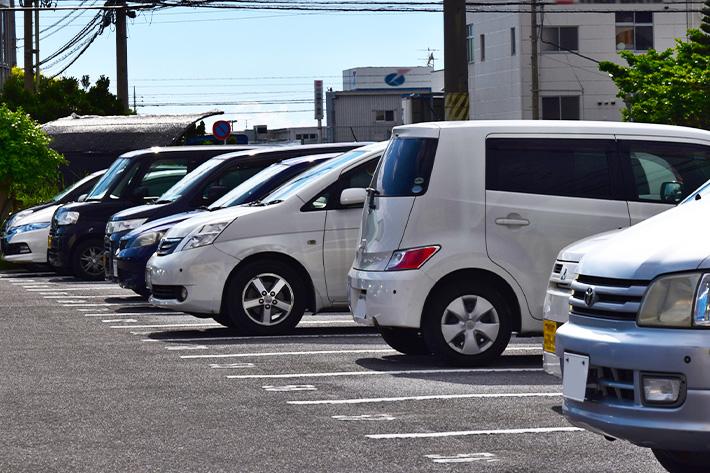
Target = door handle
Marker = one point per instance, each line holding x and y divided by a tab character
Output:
512	222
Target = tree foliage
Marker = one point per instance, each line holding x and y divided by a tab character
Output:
57	98
26	162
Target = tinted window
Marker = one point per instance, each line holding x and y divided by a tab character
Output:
572	168
360	177
654	165
161	175
406	167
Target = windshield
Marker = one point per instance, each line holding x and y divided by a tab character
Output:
406	167
71	188
294	186
243	192
114	172
176	191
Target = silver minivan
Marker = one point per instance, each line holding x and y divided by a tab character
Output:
464	219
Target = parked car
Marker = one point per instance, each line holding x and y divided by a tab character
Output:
635	349
24	236
259	267
210	181
465	218
138	245
77	229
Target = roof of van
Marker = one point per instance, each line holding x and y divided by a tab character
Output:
563	126
118	133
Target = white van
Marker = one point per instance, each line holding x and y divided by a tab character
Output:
465	218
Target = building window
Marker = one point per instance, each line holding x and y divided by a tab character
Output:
483	48
384	115
559	39
469	42
512	42
561	108
634	31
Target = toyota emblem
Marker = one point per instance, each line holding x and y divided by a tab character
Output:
590	296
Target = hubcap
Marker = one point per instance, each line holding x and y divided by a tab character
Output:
267	299
470	325
92	261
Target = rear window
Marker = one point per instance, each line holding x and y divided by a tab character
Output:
406	167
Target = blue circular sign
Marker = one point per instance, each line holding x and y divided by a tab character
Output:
221	130
394	79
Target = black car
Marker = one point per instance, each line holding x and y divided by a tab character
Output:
137	177
202	187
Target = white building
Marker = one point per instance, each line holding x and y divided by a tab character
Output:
573	38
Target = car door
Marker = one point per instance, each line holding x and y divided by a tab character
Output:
652	164
342	226
543	194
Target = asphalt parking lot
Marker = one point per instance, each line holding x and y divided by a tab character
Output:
94	379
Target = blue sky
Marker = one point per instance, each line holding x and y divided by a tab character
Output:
265	60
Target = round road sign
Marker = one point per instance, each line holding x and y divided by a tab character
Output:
221	130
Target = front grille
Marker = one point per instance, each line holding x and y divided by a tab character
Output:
557	269
165	292
168	245
610	385
605	298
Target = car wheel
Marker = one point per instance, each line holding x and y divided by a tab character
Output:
405	340
224	320
264	298
683	462
87	262
467	324
142	291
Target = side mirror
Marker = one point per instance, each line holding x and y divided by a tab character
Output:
82	198
139	194
215	192
671	192
353	196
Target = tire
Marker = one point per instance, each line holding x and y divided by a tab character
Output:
250	300
405	340
87	261
683	462
224	320
467	324
143	292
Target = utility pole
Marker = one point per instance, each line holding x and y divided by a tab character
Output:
533	62
37	44
122	54
456	100
29	80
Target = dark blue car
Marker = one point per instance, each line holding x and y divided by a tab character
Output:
137	246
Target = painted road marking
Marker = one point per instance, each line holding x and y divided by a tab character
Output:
232	365
463	458
160	314
422	398
366	417
291	387
384	373
291	353
170	326
238	338
541	430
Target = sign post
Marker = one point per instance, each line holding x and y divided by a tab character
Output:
318	91
221	130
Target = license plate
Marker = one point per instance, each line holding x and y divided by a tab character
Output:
548	331
574	376
114	263
360	307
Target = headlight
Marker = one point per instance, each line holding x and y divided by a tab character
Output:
67	218
146	239
205	234
15	217
29	227
679	301
116	226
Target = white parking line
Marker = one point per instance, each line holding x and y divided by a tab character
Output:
422	398
238	338
135	313
59	295
384	373
540	430
291	353
106	304
169	326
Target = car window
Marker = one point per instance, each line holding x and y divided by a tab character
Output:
230	179
160	176
665	172
562	167
114	172
360	177
176	191
406	167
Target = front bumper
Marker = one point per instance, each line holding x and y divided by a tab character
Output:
628	351
61	240
129	266
26	247
202	272
388	298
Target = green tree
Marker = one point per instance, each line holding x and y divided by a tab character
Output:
669	87
57	98
26	162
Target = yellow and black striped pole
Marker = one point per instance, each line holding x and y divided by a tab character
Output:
456	106
455	61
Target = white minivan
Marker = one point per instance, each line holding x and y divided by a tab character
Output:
464	220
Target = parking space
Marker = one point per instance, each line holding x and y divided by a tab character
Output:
178	393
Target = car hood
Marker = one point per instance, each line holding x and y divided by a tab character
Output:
38	216
672	241
575	251
139	211
180	230
162	224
